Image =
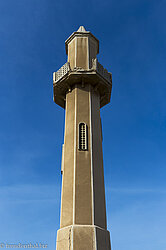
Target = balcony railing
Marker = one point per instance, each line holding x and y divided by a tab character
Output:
101	70
61	72
95	66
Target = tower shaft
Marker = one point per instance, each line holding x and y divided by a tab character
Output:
83	195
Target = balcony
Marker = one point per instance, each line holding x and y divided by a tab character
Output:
101	70
61	72
96	66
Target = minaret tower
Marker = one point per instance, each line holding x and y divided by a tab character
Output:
82	86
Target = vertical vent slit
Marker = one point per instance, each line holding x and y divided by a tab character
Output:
83	145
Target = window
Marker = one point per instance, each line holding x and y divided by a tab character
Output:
83	137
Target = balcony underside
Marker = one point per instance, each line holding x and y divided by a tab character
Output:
68	81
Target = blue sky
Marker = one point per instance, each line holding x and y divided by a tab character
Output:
132	38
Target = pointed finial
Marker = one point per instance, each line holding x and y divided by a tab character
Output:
81	29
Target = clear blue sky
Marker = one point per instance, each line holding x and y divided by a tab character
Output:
132	38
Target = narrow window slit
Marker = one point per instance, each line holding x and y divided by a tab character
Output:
83	137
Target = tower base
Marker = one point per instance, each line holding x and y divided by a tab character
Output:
82	237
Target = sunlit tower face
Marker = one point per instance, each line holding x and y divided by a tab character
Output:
82	86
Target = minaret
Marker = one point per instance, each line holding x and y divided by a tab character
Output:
82	86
